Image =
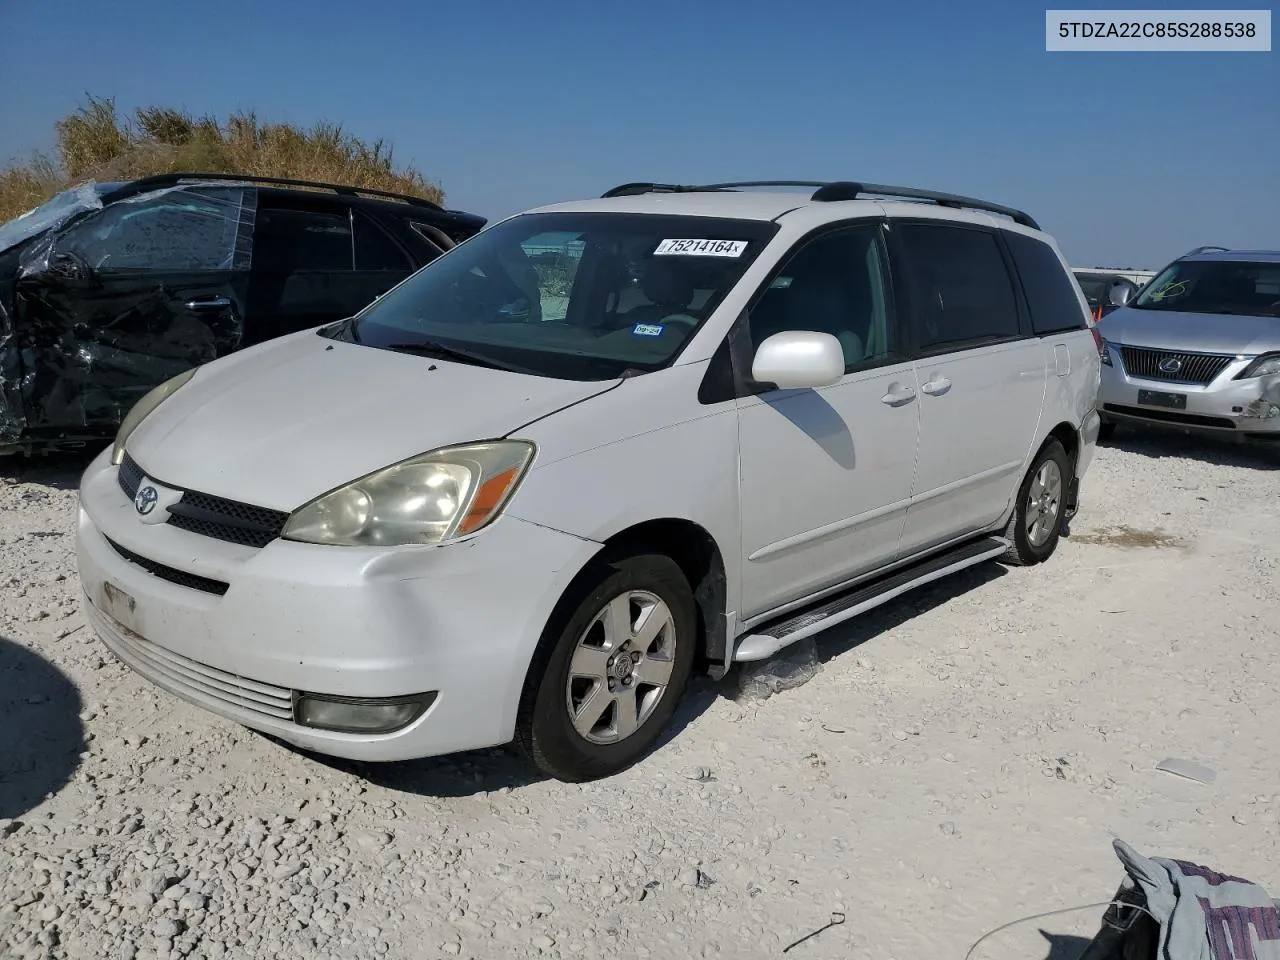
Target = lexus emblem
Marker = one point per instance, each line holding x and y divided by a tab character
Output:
146	499
1170	365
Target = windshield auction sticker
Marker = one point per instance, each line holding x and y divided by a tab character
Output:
700	248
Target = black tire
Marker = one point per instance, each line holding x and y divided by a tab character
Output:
544	729
1106	430
1023	549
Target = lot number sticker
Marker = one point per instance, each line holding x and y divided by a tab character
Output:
700	248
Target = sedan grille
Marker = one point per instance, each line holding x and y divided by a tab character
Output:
1149	364
210	516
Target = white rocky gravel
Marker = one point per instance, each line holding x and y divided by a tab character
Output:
964	758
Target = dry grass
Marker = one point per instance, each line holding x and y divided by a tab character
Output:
96	143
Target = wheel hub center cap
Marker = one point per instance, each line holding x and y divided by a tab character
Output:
622	667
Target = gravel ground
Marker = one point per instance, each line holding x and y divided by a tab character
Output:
963	758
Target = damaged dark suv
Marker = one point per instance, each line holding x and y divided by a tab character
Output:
109	289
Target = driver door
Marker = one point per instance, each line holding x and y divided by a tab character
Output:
123	300
826	475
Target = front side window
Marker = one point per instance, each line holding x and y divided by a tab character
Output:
582	296
1238	287
834	284
176	230
960	289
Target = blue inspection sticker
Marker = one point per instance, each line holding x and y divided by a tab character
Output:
647	330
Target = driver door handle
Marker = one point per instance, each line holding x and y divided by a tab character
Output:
212	303
936	386
898	395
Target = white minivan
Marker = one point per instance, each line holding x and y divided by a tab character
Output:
599	445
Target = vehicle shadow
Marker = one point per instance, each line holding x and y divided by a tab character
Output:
41	736
484	771
1160	443
455	776
61	471
845	637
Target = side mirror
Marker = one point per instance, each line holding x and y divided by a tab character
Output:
1122	291
798	360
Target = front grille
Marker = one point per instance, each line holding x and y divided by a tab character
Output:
171	574
1170	416
185	676
1201	368
129	476
228	520
210	516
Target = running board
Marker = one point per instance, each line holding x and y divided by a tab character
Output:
765	641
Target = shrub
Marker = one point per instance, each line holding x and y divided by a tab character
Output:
96	143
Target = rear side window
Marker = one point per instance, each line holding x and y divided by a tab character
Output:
960	290
374	249
289	241
1051	294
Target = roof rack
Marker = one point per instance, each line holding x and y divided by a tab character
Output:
830	191
162	180
1198	250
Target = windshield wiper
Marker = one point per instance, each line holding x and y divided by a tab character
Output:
434	348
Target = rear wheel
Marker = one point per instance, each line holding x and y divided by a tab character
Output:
1036	524
609	676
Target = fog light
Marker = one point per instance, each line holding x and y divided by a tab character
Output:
360	714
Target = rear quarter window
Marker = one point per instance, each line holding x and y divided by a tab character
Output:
1050	291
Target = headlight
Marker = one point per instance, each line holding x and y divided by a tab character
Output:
1104	352
143	407
1265	366
432	498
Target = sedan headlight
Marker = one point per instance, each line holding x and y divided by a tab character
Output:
1265	366
143	408
432	498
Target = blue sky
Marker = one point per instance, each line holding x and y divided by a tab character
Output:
1129	159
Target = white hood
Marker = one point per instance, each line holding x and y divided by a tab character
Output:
282	423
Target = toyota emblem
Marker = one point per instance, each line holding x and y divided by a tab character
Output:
1170	365
146	499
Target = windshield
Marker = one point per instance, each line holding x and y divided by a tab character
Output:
579	296
65	205
1215	286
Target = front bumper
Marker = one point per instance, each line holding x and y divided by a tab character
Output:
460	621
1248	409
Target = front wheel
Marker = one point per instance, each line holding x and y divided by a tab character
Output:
608	678
1036	524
